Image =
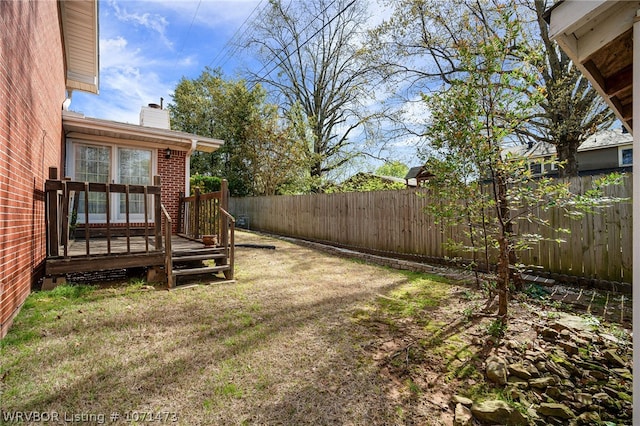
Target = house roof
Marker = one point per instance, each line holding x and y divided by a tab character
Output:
603	139
78	126
79	24
598	37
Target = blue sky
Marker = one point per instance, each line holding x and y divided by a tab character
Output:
146	47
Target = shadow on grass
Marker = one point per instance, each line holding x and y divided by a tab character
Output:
122	360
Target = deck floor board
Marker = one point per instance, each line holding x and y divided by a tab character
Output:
98	246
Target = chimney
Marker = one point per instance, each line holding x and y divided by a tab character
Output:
154	116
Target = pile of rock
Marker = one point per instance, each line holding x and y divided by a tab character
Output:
572	374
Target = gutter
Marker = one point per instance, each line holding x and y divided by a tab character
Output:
187	167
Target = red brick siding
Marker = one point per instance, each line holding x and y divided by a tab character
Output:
32	90
172	174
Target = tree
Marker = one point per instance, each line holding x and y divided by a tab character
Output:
417	48
572	110
318	53
277	152
472	115
260	151
393	168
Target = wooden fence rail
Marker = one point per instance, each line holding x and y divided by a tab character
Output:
396	222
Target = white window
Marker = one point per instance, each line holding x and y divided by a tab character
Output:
625	156
111	164
134	168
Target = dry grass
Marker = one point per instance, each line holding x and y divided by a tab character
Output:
283	345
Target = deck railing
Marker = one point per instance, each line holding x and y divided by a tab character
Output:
207	214
200	214
64	212
168	253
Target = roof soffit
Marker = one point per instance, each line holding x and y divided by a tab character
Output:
597	36
80	34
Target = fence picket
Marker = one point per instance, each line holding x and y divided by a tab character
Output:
599	245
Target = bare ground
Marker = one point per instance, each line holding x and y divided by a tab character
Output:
303	337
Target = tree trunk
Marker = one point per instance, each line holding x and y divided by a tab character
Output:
503	276
567	151
504	258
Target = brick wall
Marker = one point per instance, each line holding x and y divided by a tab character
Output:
172	175
32	90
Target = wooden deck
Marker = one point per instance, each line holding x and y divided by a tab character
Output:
98	246
123	254
152	245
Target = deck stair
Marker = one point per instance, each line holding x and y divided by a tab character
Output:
193	262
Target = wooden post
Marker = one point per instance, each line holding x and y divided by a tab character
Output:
224	221
65	218
180	212
127	207
86	217
198	219
107	194
52	215
157	215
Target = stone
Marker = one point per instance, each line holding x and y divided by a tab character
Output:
459	399
598	375
554	392
623	373
573	322
549	334
569	347
542	382
519	370
556	369
497	412
556	410
588	418
600	397
584	398
497	370
462	416
613	358
531	369
517	382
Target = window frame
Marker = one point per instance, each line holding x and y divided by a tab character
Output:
114	177
621	150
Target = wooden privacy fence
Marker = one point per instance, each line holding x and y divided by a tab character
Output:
396	222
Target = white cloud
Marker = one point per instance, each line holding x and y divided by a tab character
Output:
151	21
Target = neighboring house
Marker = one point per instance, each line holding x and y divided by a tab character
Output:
417	176
48	49
604	152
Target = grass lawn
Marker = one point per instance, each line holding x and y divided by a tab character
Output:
302	337
283	345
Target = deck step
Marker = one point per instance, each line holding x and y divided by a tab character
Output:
197	271
189	258
211	250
